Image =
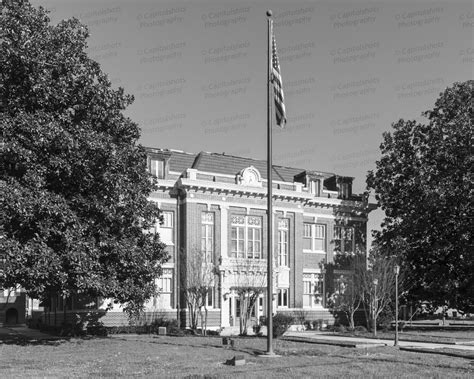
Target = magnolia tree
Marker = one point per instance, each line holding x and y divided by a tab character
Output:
74	179
197	284
423	182
250	284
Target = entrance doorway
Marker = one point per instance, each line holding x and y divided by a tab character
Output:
11	316
234	311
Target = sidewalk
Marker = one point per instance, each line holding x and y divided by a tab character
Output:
322	337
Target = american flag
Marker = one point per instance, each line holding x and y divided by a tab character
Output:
278	87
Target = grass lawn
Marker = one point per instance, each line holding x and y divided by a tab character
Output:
193	356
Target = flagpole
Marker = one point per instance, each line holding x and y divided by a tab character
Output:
269	192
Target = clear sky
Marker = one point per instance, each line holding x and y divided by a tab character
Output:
350	69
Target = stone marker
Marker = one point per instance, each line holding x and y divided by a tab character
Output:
238	360
162	331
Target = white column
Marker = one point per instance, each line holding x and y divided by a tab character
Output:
225	322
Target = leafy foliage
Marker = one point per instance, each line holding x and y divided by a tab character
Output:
424	184
281	323
74	179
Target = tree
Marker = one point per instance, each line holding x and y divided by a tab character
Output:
377	285
198	281
250	284
346	292
74	180
423	182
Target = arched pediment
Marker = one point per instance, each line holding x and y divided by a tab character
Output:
249	176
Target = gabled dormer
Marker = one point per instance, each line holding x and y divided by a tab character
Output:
158	163
312	180
344	184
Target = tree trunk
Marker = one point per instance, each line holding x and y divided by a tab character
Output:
351	320
202	321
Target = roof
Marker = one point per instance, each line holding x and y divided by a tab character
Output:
221	163
232	165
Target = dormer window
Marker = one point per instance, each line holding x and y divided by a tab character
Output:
314	187
157	168
345	190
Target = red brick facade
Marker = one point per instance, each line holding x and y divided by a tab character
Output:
234	188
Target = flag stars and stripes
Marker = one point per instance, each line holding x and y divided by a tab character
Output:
278	87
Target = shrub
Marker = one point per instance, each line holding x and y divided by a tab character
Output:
257	328
300	316
96	328
340	329
385	319
170	325
360	329
281	323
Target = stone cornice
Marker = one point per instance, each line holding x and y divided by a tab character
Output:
229	188
305	199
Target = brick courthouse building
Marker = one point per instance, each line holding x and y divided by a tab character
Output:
215	205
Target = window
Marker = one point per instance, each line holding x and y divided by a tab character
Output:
314	187
314	237
164	286
246	237
12	291
167	220
157	168
283	297
207	235
312	289
283	242
345	190
237	307
343	239
210	298
165	229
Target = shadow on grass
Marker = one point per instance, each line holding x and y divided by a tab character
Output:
25	341
237	349
50	340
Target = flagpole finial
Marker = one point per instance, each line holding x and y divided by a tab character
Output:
269	13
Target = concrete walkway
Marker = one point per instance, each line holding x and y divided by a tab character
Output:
321	337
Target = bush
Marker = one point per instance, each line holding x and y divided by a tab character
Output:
170	325
300	316
360	329
281	323
96	328
384	321
340	329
